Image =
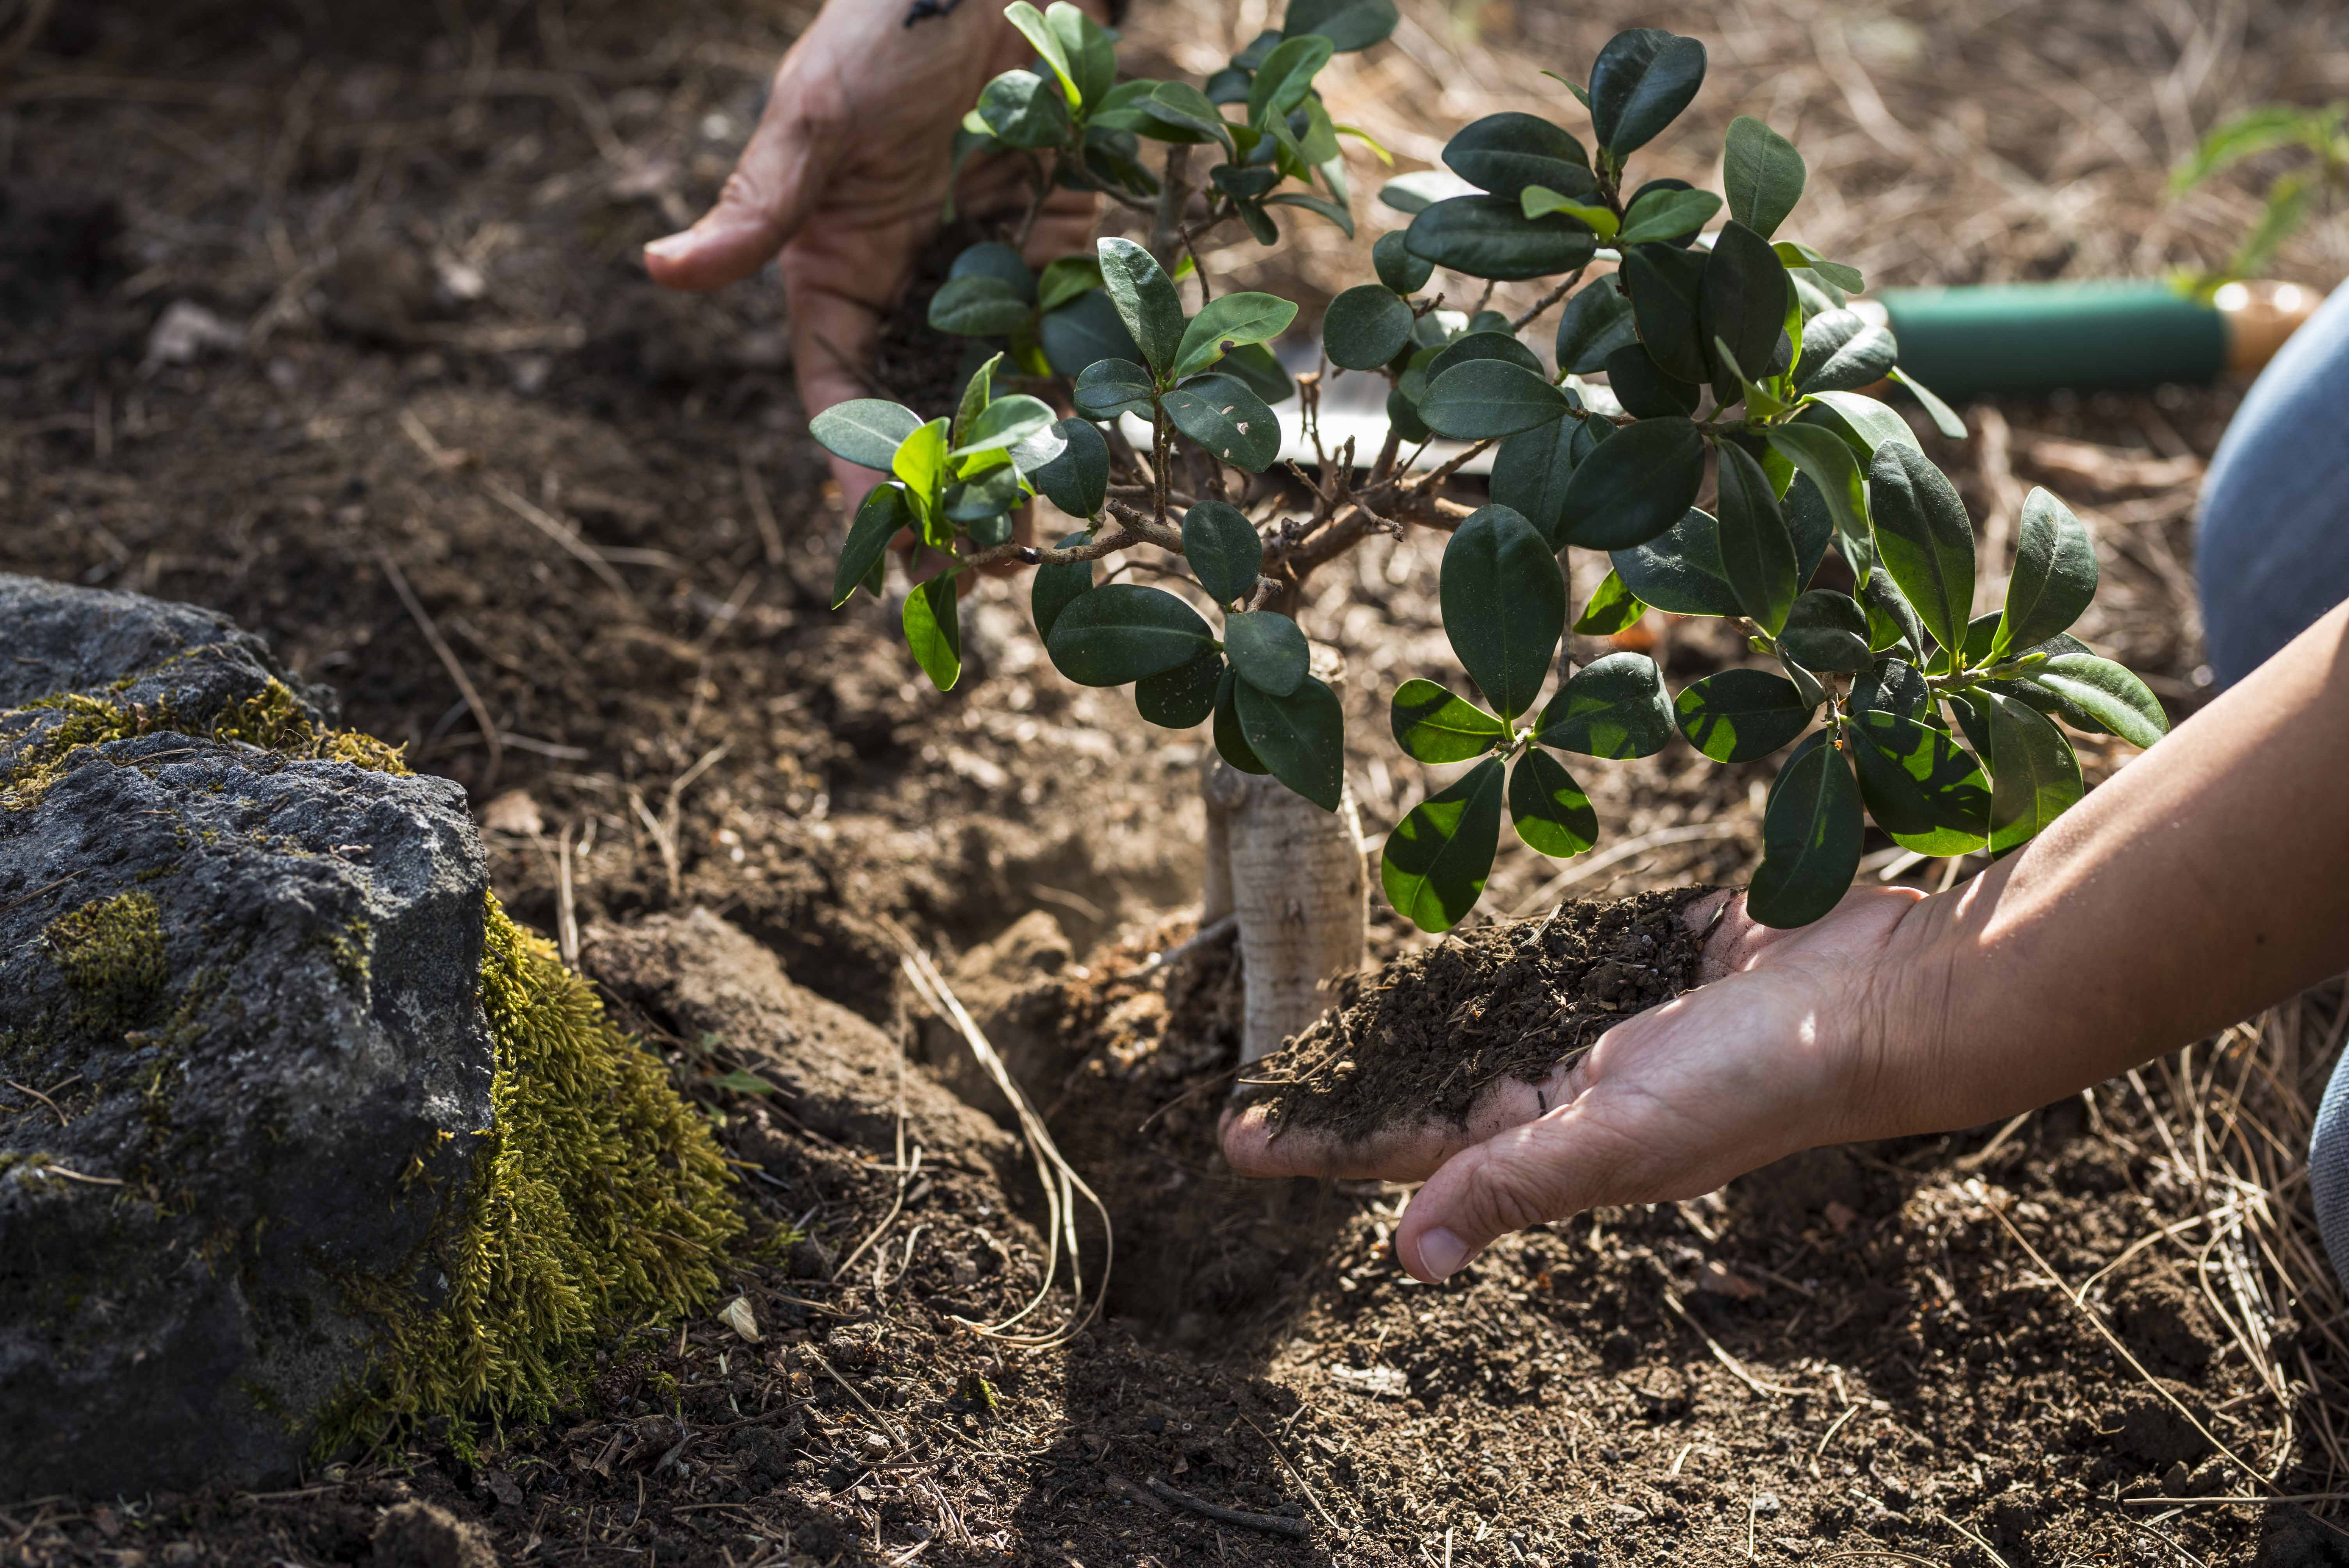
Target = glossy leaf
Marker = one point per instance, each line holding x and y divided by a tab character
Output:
1091	50
1121	632
1224	548
1488	237
1843	351
1745	298
1033	27
1432	725
1438	858
1110	387
1864	423
1925	540
1366	326
1827	631
1231	745
934	629
1146	300
866	431
1084	332
1077	482
1612	608
1255	367
1187	106
1893	686
1267	649
1504	604
1551	812
1666	214
1530	472
1919	784
1891	620
1845	278
1481	399
1398	269
1181	698
1505	153
1006	423
1614	708
1666	286
1811	838
1233	423
1312	203
1637	484
1055	586
1025	110
1827	463
2035	774
1757	552
1300	737
1596	322
1286	77
2105	692
1762	174
881	514
1485	343
1227	322
2054	574
1740	715
1646	392
1945	418
1641	82
1540	202
1348	25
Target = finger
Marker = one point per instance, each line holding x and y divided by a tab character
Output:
1558	1164
833	341
784	170
1404	1151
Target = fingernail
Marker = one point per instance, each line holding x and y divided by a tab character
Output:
1441	1252
671	247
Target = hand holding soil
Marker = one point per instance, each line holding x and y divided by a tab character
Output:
845	177
1770	1056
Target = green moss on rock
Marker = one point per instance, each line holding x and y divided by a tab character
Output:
111	953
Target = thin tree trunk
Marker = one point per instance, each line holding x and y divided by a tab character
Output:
1293	874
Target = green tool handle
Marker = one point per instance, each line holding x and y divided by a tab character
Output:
2028	337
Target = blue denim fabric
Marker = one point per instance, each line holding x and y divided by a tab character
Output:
2273	556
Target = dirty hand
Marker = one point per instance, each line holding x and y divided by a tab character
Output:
846	176
1783	1048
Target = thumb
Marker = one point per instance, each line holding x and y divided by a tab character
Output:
781	175
1558	1165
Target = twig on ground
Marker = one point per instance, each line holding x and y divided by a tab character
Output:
449	661
1736	1367
1290	1466
1270	1523
1208	935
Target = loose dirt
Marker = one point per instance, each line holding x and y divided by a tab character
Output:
1428	1033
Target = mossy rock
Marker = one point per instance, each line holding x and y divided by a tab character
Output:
323	1141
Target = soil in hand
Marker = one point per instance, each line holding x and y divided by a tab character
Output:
1422	1037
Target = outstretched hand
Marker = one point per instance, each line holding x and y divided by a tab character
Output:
1783	1048
846	176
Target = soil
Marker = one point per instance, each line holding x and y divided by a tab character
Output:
1425	1035
415	340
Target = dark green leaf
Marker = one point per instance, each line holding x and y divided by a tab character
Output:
1843	351
1925	540
1328	209
1745	298
1646	392
993	259
1828	464
1259	223
1180	103
2054	574
2105	692
1224	548
1945	418
1917	783
1806	685
1056	585
1229	321
1597	321
1763	175
1121	632
1248	183
1301	737
1404	417
1146	300
1488	237
1077	482
1025	110
1637	484
1642	81
1864	423
1666	286
2034	779
1222	414
881	514
1182	696
1438	858
1740	715
1811	837
1530	470
1255	367
1891	619
934	630
1091	51
865	431
1268	650
1504	604
1847	279
1679	572
1109	387
1398	270
1612	608
1757	552
1231	745
1505	153
1348	25
1033	27
1481	399
1666	214
1084	332
1827	631
1484	343
1551	812
1366	326
1432	725
976	502
1286	77
1893	686
1614	708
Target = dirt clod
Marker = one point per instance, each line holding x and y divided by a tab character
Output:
421	1535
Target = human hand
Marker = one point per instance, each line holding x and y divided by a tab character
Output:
1790	1043
845	177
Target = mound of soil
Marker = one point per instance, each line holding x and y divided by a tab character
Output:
1427	1033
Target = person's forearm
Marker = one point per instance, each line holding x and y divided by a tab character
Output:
2203	881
